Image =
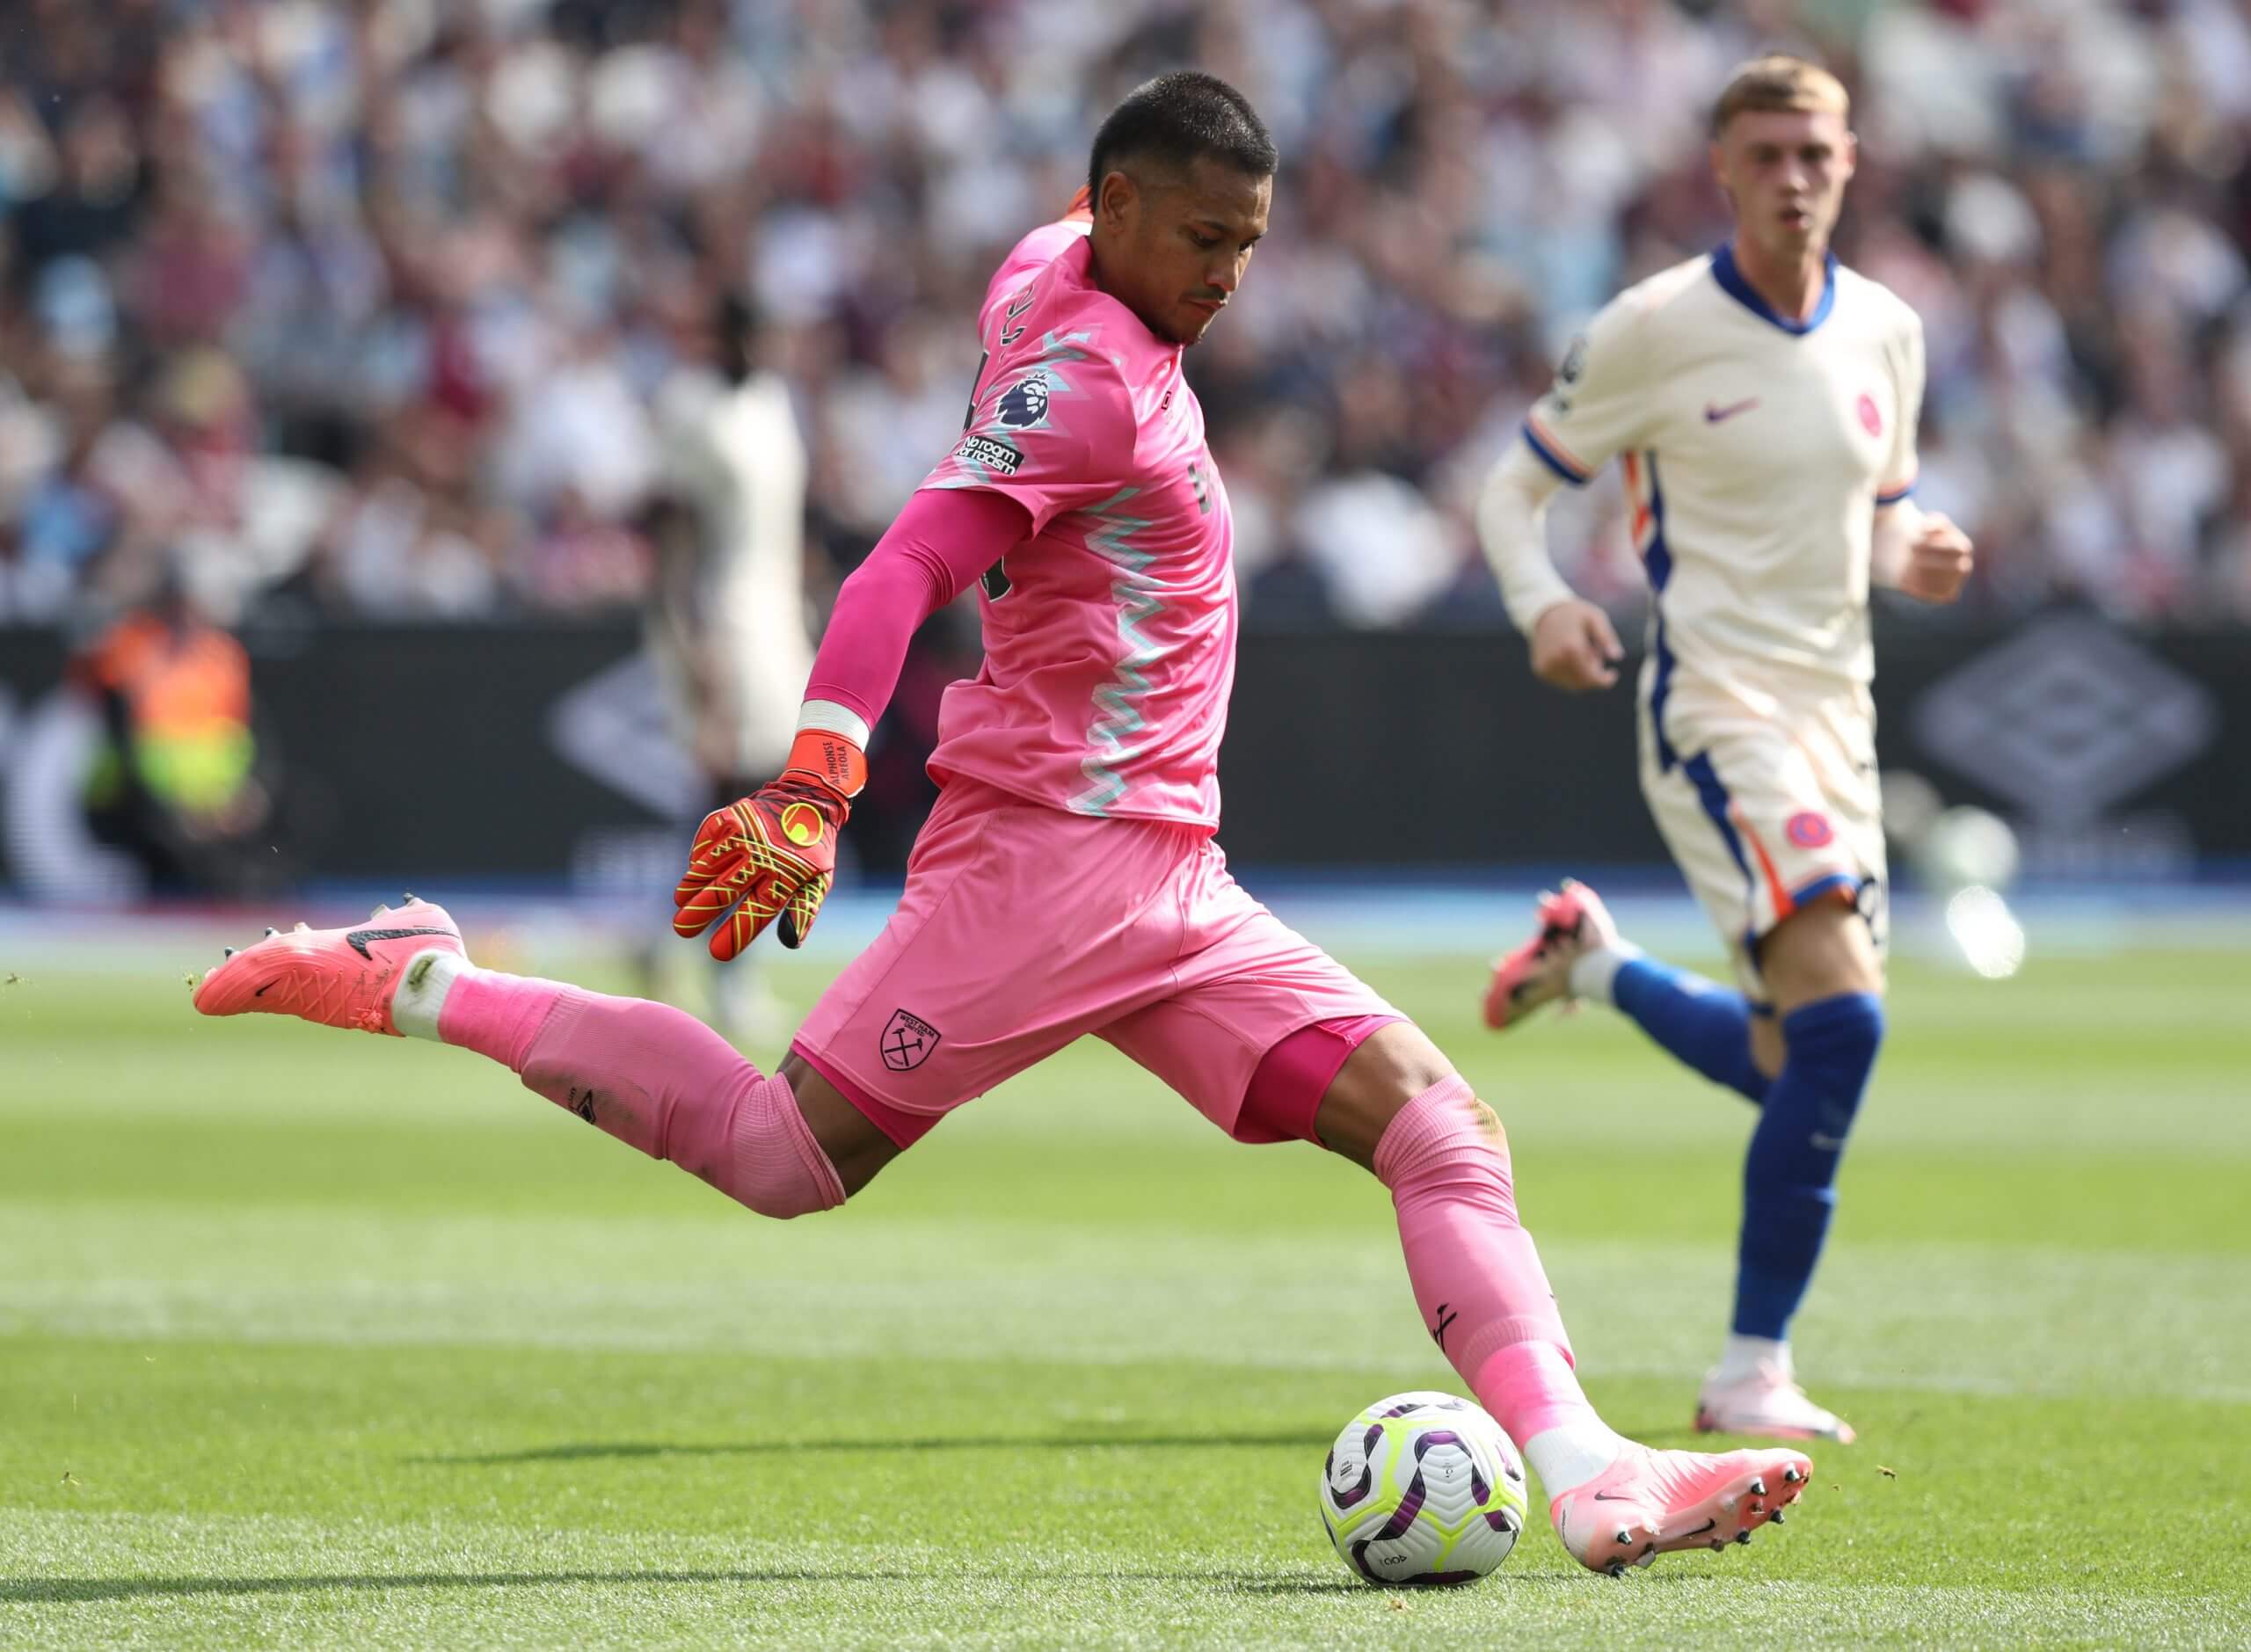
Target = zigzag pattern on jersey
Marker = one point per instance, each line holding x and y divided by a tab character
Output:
751	865
1117	713
1055	349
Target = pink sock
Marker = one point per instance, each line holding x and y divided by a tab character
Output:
498	1016
1532	1388
1477	1274
652	1076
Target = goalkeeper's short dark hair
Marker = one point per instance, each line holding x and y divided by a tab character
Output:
1178	118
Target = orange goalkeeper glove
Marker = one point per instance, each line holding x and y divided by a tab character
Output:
773	855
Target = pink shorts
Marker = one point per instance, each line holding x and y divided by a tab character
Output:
1023	927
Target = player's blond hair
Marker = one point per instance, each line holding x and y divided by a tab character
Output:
1778	81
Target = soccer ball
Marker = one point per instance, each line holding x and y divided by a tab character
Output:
1423	1489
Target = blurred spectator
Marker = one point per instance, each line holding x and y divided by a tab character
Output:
92	196
380	298
407	541
104	502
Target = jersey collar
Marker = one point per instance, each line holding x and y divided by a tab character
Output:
1733	284
1081	264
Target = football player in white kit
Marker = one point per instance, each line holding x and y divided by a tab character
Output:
1762	401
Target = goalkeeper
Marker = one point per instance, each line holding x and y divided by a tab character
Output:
1066	883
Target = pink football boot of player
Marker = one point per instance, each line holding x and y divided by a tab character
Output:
1651	1502
338	978
1572	921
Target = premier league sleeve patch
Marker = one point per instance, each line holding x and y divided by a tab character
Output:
1024	405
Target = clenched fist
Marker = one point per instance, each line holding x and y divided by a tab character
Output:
1938	562
1575	647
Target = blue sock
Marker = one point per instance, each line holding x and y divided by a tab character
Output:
1706	1026
1789	1176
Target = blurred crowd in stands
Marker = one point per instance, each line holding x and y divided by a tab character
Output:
389	308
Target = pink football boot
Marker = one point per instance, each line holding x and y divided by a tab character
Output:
1571	921
1651	1502
339	978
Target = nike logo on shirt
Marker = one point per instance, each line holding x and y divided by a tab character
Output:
1714	414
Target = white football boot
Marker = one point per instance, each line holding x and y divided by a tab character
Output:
1766	1404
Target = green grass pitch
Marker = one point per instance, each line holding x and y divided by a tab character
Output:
307	1338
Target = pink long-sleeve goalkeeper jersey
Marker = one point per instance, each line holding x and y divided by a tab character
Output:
1110	631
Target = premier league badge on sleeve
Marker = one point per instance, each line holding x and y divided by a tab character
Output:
1567	374
1024	405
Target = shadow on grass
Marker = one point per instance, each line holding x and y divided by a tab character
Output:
1298	1586
91	1589
585	1450
52	1590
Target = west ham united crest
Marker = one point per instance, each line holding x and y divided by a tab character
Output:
907	1041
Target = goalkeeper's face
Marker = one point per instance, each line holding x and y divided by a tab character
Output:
1172	246
1784	170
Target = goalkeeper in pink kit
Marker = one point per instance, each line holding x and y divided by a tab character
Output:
1067	881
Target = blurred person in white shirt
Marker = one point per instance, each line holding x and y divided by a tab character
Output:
725	620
